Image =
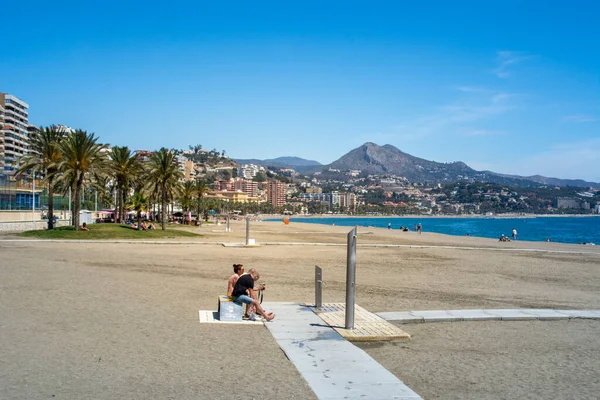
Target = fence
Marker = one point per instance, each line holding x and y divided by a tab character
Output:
20	195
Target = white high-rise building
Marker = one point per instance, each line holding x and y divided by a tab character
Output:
249	171
14	138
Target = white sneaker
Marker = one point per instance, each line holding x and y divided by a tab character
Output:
252	317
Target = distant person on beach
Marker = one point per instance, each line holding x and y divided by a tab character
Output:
419	228
238	270
514	234
243	293
389	225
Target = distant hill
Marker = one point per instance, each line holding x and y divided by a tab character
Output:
381	160
556	181
297	163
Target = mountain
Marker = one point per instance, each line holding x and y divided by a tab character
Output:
382	160
297	163
556	181
387	159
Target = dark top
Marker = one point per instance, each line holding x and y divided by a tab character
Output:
243	283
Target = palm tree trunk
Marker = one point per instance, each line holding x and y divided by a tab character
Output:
163	208
76	201
50	204
123	199
117	200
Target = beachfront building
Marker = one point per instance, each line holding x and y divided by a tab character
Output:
250	188
14	137
565	202
237	197
276	193
189	171
348	201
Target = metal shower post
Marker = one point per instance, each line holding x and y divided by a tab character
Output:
350	278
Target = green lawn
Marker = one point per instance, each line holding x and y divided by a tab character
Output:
107	231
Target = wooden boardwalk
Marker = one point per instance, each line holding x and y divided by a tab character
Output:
368	327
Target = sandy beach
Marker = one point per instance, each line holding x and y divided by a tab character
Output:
120	320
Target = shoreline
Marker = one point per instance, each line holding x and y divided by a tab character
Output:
463	239
475	216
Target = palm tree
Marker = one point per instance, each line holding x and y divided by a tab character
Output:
124	168
44	157
163	178
201	190
101	184
81	156
138	203
186	197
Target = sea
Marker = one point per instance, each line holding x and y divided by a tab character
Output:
577	230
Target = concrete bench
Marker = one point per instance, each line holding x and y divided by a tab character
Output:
228	310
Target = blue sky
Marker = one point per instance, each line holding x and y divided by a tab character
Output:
510	86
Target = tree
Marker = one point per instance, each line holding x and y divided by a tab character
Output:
187	196
260	177
81	156
124	168
201	189
138	202
44	158
163	178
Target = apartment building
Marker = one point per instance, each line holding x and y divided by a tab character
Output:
348	200
565	202
14	137
250	188
249	171
276	193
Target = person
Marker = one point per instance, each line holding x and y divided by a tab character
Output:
419	228
151	226
250	310
243	293
389	225
514	234
238	270
548	240
84	227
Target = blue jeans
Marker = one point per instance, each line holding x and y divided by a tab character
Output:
243	299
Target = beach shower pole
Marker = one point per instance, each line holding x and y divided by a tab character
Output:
318	287
228	229
350	278
248	230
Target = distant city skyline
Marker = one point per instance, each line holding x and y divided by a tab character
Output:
513	87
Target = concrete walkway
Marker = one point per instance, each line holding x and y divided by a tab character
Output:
333	367
522	314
